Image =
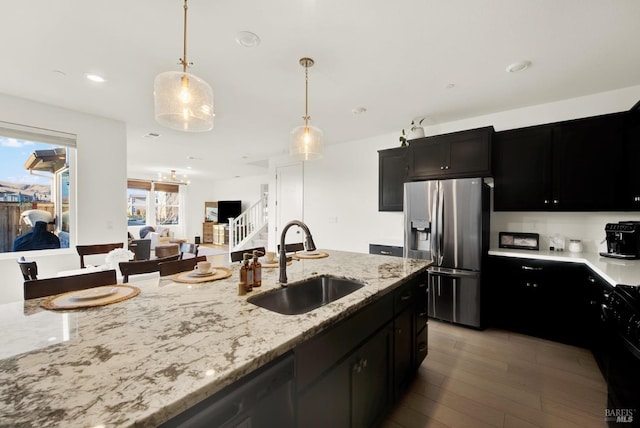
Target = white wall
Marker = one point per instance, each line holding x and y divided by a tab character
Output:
246	189
341	190
101	161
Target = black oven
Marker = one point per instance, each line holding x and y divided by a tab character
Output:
619	355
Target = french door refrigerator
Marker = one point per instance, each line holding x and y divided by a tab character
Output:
447	222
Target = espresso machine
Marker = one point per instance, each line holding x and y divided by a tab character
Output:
623	240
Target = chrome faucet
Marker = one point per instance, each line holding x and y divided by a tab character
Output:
310	246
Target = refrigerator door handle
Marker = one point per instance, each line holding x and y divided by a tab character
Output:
440	224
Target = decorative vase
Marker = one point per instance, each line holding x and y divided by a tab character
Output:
416	132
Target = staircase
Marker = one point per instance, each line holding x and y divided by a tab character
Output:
249	226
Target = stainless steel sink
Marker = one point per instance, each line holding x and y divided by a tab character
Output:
307	295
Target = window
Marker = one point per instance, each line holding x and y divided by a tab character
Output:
35	186
137	202
167	202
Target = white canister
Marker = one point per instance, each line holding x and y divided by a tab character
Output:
575	246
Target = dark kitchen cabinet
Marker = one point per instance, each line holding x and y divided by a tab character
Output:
548	299
630	182
385	250
455	155
567	166
392	173
403	339
522	169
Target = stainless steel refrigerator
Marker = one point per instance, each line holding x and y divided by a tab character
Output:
447	222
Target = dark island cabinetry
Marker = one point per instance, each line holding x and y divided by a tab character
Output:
364	362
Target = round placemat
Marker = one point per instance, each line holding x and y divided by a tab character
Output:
311	255
221	273
69	301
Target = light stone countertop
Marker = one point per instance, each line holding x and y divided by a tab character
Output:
144	360
614	271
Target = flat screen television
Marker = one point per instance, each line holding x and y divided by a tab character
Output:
228	209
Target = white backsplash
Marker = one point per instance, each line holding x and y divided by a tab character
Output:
585	226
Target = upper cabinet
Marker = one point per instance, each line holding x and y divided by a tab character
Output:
568	166
455	155
630	159
392	173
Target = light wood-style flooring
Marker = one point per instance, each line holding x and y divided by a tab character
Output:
496	378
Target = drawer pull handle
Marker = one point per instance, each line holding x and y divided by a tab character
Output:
386	253
405	297
422	347
531	268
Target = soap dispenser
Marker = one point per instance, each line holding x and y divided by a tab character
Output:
256	266
246	272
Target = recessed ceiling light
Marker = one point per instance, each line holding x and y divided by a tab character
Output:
95	77
517	67
247	39
59	73
151	135
359	110
450	86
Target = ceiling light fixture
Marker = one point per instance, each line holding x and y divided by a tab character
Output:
517	67
95	78
183	101
307	141
247	39
172	178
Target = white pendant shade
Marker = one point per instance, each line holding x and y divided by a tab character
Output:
183	102
307	143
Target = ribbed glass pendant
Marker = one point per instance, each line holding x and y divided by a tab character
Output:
183	102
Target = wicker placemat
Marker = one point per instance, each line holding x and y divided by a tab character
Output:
221	273
311	255
81	299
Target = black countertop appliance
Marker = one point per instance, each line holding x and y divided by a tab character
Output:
623	240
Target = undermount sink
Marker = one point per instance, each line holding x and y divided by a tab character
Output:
307	295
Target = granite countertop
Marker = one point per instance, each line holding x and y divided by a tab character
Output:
144	360
614	271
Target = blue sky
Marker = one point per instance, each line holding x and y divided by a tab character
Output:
13	154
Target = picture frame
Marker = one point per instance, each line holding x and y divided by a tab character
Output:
211	212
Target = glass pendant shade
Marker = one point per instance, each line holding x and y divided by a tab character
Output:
183	102
307	143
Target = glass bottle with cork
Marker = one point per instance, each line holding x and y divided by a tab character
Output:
246	272
256	266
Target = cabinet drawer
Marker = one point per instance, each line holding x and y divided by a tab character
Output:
422	345
402	297
385	250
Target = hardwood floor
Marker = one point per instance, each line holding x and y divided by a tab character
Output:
496	378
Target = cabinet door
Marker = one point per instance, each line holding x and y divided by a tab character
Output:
312	412
586	167
370	381
470	153
630	197
428	158
522	169
403	340
392	173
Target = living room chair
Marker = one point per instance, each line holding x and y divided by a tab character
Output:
87	250
186	248
236	256
143	266
36	288
142	249
170	268
29	269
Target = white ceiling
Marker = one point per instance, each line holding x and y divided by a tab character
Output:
395	58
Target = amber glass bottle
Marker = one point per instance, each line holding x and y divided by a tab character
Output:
257	270
246	272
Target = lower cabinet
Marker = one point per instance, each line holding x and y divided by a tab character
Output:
364	363
553	300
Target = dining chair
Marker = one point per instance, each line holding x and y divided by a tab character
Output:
36	288
137	267
236	256
142	249
170	268
29	269
166	250
292	248
87	250
186	248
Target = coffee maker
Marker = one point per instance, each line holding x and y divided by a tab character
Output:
623	240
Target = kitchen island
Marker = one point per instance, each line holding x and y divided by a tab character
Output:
142	361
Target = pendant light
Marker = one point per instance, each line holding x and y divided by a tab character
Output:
183	101
307	142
